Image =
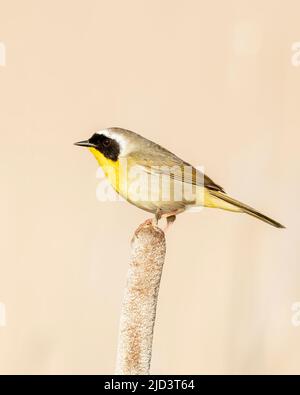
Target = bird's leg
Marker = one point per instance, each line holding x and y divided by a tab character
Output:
170	220
157	217
171	217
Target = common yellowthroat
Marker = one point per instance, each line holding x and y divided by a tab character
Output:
154	179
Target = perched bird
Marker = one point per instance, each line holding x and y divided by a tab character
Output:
154	179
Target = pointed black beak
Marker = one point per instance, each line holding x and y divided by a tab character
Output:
85	143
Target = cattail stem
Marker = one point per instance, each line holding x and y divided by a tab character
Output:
148	251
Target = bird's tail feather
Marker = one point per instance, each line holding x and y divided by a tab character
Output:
235	205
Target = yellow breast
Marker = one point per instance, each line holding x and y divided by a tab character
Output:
125	182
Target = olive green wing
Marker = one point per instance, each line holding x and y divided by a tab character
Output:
158	160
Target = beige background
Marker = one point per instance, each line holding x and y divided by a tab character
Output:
212	81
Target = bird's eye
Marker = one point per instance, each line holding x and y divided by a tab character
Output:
106	142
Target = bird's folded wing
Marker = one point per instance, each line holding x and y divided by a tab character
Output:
178	170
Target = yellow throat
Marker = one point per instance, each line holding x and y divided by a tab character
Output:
111	168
